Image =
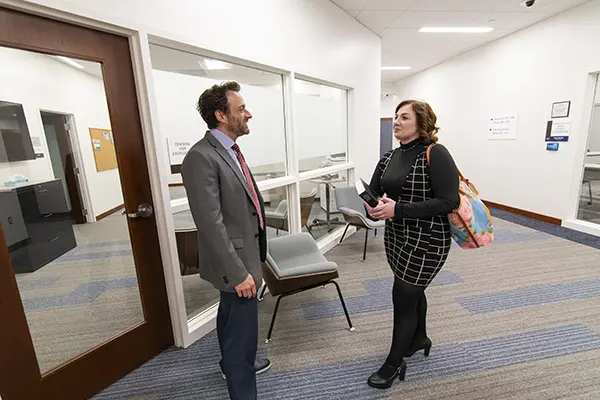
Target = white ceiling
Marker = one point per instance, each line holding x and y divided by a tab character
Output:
398	22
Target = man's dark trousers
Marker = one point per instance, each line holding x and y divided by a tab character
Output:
237	330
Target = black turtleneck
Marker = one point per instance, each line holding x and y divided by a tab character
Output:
443	176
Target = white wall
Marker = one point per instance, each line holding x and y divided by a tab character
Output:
525	73
389	100
311	37
42	83
387	106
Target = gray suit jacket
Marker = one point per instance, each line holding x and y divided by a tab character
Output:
231	244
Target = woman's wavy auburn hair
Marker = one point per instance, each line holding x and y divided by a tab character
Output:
426	119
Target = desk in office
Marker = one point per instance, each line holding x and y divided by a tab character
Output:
328	220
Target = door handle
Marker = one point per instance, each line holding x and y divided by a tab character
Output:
143	211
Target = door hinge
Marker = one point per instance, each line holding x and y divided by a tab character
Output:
84	213
76	169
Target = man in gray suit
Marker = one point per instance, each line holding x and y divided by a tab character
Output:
229	213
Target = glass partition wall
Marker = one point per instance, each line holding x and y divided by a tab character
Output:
589	194
179	78
297	165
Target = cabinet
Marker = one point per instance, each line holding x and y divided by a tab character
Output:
41	228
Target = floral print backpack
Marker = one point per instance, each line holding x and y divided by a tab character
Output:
471	223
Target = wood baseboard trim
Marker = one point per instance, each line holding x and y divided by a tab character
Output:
524	213
175	184
109	212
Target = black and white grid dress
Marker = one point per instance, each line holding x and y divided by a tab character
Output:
417	240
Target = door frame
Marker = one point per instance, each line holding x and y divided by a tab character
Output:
68	146
80	377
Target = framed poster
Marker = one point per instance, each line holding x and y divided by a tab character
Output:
561	109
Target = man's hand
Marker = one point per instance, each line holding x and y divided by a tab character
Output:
247	288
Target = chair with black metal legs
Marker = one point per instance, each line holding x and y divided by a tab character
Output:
295	264
589	183
352	208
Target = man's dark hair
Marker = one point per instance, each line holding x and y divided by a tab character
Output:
214	99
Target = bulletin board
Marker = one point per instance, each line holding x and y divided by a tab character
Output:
103	146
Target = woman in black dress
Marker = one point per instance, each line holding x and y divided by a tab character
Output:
417	233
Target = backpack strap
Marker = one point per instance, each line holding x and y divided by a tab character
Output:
429	152
460	175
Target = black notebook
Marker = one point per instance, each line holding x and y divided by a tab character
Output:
367	193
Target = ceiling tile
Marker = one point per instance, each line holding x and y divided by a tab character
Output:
525	20
395	5
496	19
393	76
515	5
402	44
419	19
378	20
480	5
351	4
354	13
436	5
557	6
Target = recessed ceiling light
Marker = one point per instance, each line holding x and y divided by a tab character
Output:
70	62
449	29
211	64
394	68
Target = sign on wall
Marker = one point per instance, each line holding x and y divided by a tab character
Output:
38	148
504	127
178	148
558	131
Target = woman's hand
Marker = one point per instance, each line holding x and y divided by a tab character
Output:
384	210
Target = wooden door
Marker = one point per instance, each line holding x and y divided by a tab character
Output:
59	277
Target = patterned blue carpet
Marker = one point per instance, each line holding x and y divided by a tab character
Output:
516	320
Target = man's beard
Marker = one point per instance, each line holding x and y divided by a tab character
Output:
241	128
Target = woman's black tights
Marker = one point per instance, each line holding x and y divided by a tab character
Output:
410	310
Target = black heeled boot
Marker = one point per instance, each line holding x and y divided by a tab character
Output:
414	347
384	378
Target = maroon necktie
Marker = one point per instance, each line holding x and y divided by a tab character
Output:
249	182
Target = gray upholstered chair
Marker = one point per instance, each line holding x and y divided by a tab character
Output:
295	264
278	219
352	208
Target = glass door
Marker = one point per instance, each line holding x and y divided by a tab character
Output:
81	304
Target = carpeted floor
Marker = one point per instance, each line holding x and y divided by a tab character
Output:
516	320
